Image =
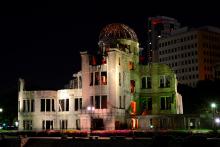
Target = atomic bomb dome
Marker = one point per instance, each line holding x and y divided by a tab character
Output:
116	31
112	91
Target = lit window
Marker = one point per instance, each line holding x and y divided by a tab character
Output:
92	60
96	78
133	107
104	78
134	123
132	86
131	65
104	60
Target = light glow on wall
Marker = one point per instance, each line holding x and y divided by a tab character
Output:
90	108
64	94
16	123
133	107
134	123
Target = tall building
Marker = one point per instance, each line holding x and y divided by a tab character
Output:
217	71
109	92
158	27
192	53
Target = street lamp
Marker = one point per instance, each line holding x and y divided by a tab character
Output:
1	110
90	110
16	124
217	120
213	106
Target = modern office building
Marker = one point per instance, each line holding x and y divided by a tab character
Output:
110	92
193	54
217	71
158	27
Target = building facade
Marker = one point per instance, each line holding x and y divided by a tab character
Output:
158	27
110	92
191	53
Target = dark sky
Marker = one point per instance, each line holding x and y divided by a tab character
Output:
40	42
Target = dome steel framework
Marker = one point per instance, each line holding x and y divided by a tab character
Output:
117	31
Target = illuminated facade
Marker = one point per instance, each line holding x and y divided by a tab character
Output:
110	92
192	53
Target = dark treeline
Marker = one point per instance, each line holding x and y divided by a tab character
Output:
199	99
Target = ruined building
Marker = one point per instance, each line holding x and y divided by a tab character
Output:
112	90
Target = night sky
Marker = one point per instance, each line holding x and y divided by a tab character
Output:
41	42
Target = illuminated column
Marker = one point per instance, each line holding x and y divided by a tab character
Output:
90	110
